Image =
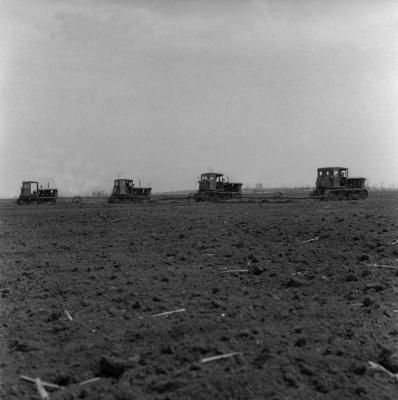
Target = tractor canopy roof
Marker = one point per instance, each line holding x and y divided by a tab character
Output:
212	174
30	182
329	168
123	180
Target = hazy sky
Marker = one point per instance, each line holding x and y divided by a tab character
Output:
263	91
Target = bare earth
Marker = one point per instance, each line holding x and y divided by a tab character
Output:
305	316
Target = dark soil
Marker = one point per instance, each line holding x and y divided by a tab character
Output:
306	316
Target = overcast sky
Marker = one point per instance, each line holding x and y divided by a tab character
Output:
160	91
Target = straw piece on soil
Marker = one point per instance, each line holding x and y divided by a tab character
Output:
68	315
378	367
169	312
89	381
381	266
219	357
310	240
47	384
43	394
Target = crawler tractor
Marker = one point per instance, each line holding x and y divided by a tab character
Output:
124	190
213	187
333	183
31	193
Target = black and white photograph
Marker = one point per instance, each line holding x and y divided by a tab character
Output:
198	199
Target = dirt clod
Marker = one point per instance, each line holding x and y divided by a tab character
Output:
294	283
114	366
368	302
258	270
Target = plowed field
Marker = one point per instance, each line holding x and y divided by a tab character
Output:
304	294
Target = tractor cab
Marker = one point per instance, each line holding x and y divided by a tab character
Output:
29	190
122	187
211	181
331	177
